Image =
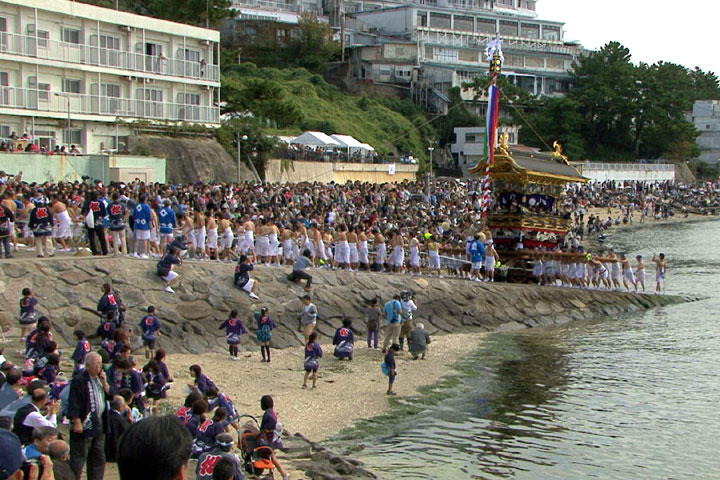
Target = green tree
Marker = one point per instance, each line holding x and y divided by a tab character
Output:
258	147
705	85
664	95
555	119
458	116
192	12
267	99
313	44
606	91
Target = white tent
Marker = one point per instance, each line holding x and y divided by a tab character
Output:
318	139
346	141
367	147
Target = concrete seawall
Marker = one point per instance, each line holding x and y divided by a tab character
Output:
68	291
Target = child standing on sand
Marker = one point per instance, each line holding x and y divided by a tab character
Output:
389	367
234	328
313	352
264	332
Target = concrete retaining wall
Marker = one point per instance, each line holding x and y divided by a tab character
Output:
69	168
327	172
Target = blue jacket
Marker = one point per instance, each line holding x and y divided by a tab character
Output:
167	220
142	216
477	251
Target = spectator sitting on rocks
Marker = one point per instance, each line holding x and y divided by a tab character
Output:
165	268
419	340
242	278
298	272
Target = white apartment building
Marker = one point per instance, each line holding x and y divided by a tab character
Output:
107	72
451	41
706	118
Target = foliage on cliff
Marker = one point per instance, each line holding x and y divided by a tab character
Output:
192	12
295	100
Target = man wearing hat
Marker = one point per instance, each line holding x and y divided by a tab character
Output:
207	461
11	460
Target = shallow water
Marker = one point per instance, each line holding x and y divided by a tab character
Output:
625	397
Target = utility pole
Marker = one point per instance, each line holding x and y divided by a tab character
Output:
342	30
430	149
239	156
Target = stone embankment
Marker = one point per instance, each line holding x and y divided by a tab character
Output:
68	290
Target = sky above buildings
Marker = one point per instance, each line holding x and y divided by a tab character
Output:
652	29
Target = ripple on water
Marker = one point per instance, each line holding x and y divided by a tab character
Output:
631	397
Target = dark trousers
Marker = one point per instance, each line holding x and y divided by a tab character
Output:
87	450
300	275
373	334
5	242
99	233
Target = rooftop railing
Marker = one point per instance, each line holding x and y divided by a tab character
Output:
76	53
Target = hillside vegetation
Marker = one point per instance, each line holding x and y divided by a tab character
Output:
295	100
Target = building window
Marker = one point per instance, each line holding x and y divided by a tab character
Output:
551	33
109	42
42	38
3	33
463	23
72	136
44	92
535	62
440	20
506	3
192	55
471	138
45	138
468	56
5	131
110	90
445	54
508	28
71	35
71	86
422	19
192	99
529	30
555	63
486	25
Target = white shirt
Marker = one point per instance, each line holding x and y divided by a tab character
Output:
36	419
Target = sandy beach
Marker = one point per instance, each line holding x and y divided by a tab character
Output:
347	391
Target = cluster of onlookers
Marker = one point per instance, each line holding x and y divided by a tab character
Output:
26	144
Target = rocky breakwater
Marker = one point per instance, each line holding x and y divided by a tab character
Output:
68	290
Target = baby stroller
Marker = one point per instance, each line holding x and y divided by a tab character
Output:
256	458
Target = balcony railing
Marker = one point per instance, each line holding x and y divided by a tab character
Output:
295	7
43	101
29	46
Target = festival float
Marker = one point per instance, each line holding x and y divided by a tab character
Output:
529	186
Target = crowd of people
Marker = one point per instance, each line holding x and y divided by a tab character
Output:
108	392
110	401
358	226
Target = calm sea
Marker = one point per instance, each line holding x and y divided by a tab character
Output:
633	397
